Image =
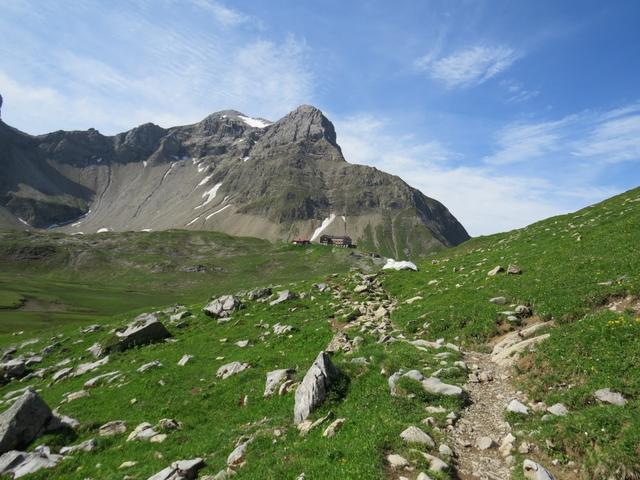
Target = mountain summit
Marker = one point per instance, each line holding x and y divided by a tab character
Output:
230	172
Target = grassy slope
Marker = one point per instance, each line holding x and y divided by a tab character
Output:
572	265
91	278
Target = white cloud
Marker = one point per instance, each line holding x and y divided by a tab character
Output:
224	15
468	67
616	138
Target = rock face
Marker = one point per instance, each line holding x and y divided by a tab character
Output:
23	421
314	387
144	329
227	173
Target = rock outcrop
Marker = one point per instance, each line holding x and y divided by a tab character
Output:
314	387
23	421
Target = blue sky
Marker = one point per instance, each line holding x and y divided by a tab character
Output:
507	112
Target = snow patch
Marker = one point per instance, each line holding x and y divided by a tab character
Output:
399	265
210	194
168	171
77	233
145	230
24	221
214	213
254	122
244	159
205	180
344	219
193	221
99	160
325	223
144	163
103	230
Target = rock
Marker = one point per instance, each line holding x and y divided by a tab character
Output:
434	385
148	366
96	350
159	438
61	374
23	421
445	450
607	396
283	296
558	410
229	369
485	443
494	271
128	464
423	476
112	428
259	293
95	381
241	343
399	265
143	330
306	426
176	317
339	342
535	471
237	457
70	397
25	463
321	286
396	461
361	288
514	270
85	446
222	307
523	311
314	387
12	369
143	431
180	470
506	355
275	379
184	360
279	329
416	435
517	407
498	300
91	329
168	424
435	463
332	429
88	367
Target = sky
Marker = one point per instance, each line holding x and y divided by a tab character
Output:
507	112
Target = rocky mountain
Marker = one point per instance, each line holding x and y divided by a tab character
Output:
230	172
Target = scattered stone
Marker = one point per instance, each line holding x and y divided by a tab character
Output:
259	293
95	381
222	307
314	387
275	379
91	329
96	350
535	471
242	343
339	342
61	374
12	369
143	431
229	369
558	410
435	463
413	300
445	450
85	446
180	470
485	443
416	435
607	396
396	461
332	429
70	397
184	360
493	272
283	296
128	464
24	463
112	428
176	317
143	330
23	421
399	265
148	366
361	288
279	329
516	406
423	476
237	457
523	311
168	424
306	426
514	270
498	300
89	367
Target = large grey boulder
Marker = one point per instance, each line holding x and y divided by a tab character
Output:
535	471
15	368
180	470
222	307
23	463
314	387
146	328
21	423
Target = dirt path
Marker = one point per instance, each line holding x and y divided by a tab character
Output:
483	418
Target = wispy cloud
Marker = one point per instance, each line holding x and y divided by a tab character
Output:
468	67
221	13
517	93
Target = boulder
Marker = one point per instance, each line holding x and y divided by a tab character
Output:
514	270
314	387
24	463
11	369
229	369
89	367
275	379
23	421
259	293
498	300
146	328
222	307
396	461
85	446
332	429
535	471
112	428
237	457
559	410
180	470
494	271
517	407
416	435
283	296
607	396
392	264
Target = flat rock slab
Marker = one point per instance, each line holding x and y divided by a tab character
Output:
283	296
180	470
145	329
229	369
24	463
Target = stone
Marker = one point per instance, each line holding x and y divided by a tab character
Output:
361	288
507	356
339	342
97	350
392	264
434	385
145	329
14	368
283	296
516	406
423	476
61	374
514	270
485	443
396	461
332	429
23	421
241	343
494	271
128	464
105	377
112	428
435	464
229	369
222	307
180	470
149	366
498	300
24	463
89	367
416	435
143	431
314	387
184	360
91	329
237	456
259	293
276	378
523	311
445	450
607	396
535	471
85	446
168	424
279	329
558	410
176	317
70	397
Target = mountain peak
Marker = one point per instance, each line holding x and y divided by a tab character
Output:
305	123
